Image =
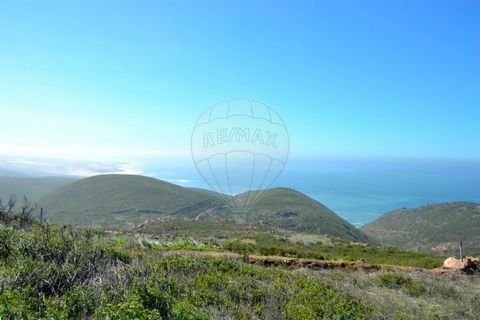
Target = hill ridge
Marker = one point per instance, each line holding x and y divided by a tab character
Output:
124	200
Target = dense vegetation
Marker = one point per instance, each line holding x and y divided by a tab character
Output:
434	228
122	200
61	273
58	272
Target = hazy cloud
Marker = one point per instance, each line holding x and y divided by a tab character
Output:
47	166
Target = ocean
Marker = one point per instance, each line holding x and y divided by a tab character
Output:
360	190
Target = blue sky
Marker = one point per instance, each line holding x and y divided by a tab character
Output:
127	79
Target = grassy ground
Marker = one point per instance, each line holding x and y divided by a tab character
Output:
407	295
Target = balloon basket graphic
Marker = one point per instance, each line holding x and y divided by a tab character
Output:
240	147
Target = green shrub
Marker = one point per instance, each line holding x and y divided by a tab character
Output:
414	287
409	285
313	300
185	310
392	280
11	305
132	309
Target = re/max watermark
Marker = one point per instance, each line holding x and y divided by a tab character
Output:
237	134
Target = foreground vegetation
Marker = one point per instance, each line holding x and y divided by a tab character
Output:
57	272
54	272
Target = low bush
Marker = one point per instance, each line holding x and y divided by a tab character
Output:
409	285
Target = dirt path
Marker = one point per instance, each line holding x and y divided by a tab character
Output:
298	262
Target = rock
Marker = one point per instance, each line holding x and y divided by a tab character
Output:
454	263
469	264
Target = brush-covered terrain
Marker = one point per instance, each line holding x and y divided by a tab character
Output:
186	269
124	200
433	228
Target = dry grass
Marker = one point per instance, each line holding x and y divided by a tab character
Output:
408	295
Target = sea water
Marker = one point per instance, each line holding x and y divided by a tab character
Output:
360	190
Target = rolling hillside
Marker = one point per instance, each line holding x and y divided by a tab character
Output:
432	228
31	187
116	200
125	200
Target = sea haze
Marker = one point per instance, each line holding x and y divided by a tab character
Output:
360	190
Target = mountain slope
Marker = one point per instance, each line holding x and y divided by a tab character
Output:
435	228
110	200
122	200
289	209
31	187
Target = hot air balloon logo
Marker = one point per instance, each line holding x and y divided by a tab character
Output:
240	147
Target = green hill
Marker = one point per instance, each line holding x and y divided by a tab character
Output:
124	200
432	228
31	187
289	209
116	200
